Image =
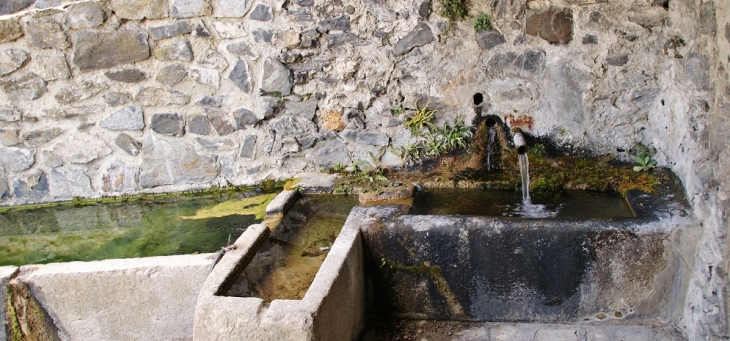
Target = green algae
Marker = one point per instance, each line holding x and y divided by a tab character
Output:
255	206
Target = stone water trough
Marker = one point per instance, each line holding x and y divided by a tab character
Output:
467	268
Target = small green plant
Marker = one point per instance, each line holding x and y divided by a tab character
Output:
307	96
483	22
338	168
396	111
645	164
422	118
454	10
536	150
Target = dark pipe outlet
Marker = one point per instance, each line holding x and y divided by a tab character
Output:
478	98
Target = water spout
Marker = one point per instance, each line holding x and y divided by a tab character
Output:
521	147
520	143
491	144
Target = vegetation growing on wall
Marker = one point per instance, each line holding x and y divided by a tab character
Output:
454	10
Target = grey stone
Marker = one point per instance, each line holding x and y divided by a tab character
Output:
138	10
189	8
309	39
248	148
95	50
290	57
617	59
4	189
168	124
697	68
488	39
31	186
126	75
288	125
200	30
212	59
644	97
289	145
13	6
120	178
157	97
244	117
116	98
270	106
130	117
82	148
53	66
178	49
67	183
555	25
11	60
306	140
530	62
41	4
240	49
216	144
727	32
128	144
9	113
305	3
46	35
350	9
211	101
25	88
372	138
51	159
171	74
708	20
276	78
329	153
305	109
232	8
420	36
174	162
205	76
590	39
262	12
38	137
10	30
79	92
341	23
9	137
241	76
263	36
299	16
84	15
220	122
17	159
337	40
199	125
171	30
269	146
229	30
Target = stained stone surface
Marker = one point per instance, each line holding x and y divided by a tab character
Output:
95	50
128	144
555	25
174	162
46	35
12	6
120	178
220	122
10	30
130	117
11	60
68	182
25	87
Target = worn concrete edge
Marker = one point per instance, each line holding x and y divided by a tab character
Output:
6	274
28	271
282	202
316	183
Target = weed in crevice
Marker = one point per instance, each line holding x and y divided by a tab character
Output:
483	22
454	10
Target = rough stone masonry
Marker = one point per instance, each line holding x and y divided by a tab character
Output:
127	96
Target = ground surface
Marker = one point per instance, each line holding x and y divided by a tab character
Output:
407	330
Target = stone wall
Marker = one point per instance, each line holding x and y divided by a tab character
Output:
126	96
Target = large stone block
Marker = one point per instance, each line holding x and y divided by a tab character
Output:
46	35
528	63
329	153
138	10
174	50
82	148
53	66
199	125
248	147
240	76
86	14
12	6
220	122
555	25
171	74
120	178
190	8
24	87
95	50
420	36
231	8
488	39
171	30
276	78
11	60
10	30
127	118
17	159
168	124
262	12
69	182
174	162
31	186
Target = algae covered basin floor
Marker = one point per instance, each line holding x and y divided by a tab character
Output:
155	227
